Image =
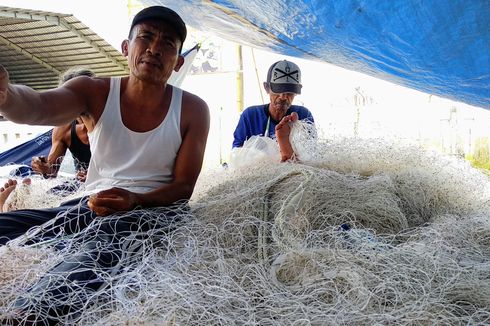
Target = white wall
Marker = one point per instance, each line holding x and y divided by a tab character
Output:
12	134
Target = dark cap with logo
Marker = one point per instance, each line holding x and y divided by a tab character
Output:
284	77
164	14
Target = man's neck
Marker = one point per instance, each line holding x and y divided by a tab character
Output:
144	94
144	110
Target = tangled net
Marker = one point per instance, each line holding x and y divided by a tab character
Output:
361	232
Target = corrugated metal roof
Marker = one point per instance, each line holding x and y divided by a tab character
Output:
36	47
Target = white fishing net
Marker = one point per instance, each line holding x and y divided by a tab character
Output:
360	232
41	193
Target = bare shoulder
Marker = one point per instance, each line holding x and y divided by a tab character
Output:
93	91
193	103
195	114
62	132
95	86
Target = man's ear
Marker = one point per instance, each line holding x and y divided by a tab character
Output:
124	48
180	62
266	87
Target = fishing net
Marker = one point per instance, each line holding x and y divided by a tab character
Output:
357	232
41	193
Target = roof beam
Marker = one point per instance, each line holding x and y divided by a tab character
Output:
60	21
20	14
25	53
93	44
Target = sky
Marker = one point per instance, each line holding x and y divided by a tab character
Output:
108	18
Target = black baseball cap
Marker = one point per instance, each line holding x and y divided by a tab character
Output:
164	14
284	77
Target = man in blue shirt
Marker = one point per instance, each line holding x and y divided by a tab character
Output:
283	84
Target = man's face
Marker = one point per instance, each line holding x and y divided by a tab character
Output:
153	51
279	104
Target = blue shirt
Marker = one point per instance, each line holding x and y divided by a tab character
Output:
253	122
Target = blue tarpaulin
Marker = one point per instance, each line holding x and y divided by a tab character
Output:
23	153
438	47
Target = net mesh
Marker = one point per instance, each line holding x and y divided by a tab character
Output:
360	232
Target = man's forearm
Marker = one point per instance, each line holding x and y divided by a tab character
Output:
286	150
20	103
107	202
165	196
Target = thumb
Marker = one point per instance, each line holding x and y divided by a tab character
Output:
294	116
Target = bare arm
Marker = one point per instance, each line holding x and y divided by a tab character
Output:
22	104
186	171
50	167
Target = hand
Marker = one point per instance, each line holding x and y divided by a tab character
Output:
41	166
283	129
4	83
81	175
112	200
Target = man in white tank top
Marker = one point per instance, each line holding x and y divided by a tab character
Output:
147	139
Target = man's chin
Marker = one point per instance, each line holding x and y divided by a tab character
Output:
281	108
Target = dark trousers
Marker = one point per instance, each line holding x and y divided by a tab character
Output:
99	249
70	217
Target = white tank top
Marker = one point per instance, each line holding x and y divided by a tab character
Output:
136	161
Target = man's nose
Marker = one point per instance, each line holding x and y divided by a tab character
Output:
155	48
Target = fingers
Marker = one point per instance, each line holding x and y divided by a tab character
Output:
38	159
289	118
294	116
110	201
100	210
110	195
286	119
105	201
81	176
95	205
40	165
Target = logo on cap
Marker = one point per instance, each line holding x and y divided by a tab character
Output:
284	77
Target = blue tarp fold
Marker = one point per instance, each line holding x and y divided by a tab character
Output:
438	47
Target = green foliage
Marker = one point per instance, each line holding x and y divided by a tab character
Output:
481	154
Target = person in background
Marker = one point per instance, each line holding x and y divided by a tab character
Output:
72	136
283	83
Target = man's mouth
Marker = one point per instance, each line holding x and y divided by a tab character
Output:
281	104
151	62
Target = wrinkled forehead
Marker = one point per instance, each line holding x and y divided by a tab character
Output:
155	26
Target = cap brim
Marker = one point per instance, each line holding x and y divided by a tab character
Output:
285	88
163	14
